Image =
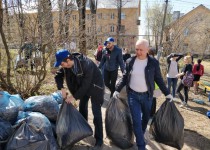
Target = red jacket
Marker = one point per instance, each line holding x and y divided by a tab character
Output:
200	71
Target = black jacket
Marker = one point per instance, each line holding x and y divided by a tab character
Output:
152	75
112	59
87	81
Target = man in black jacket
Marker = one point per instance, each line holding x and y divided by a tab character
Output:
111	60
84	80
142	71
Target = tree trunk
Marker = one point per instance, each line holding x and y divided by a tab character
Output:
82	35
119	8
93	9
60	27
8	74
48	28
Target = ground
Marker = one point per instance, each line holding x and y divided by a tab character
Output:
196	128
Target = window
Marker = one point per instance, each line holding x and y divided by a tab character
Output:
112	15
122	29
100	16
99	29
185	46
74	30
112	28
186	32
89	29
74	17
122	15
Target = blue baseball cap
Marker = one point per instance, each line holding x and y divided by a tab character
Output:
105	43
60	56
110	39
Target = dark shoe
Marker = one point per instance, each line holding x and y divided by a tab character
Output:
97	147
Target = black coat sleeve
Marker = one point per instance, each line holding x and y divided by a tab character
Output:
59	78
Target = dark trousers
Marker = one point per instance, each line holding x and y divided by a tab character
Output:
27	58
172	82
181	87
110	78
140	108
96	109
153	108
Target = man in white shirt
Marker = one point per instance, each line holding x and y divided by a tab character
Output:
142	71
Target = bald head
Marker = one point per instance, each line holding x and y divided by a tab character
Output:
142	48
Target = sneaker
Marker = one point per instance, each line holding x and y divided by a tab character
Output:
184	104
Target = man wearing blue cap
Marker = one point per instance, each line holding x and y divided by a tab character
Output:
111	60
84	80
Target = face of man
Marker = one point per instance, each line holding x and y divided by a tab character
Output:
142	49
110	45
67	64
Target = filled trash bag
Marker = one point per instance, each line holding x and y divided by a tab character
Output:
17	100
118	124
43	104
33	133
58	97
208	114
71	127
7	100
9	106
9	114
4	99
167	126
6	130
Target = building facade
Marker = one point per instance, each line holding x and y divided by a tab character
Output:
189	33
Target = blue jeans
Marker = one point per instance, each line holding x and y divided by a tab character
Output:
139	104
172	81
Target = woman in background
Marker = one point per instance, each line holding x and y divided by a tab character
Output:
198	71
187	68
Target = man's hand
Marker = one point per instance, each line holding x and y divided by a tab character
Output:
116	94
69	99
64	93
169	97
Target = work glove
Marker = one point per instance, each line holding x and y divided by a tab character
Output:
169	97
116	94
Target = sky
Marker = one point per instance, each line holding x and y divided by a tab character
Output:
183	6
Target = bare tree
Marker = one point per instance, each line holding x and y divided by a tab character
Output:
154	18
93	9
38	27
6	83
82	36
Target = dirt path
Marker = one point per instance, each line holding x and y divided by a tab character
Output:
196	133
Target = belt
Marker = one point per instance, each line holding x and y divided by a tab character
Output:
140	93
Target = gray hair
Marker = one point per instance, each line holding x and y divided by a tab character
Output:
144	42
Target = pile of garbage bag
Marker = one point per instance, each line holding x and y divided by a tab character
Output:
38	122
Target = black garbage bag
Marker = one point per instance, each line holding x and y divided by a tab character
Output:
118	124
6	130
71	127
33	133
43	104
167	126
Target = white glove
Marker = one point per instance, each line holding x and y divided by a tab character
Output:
116	94
169	96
